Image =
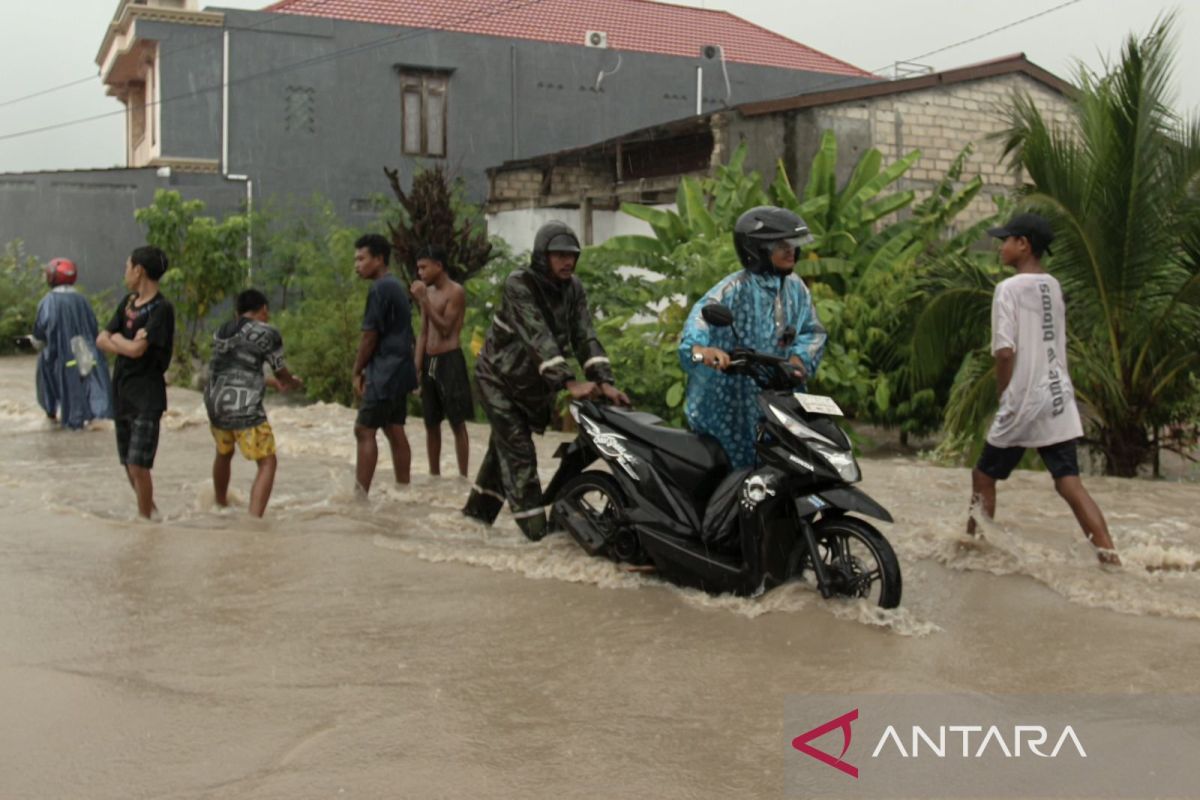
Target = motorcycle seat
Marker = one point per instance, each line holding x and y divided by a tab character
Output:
698	449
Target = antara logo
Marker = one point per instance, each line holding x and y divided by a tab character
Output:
938	742
801	743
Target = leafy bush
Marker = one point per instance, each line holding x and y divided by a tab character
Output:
22	284
322	325
207	266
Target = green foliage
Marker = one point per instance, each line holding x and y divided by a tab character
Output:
290	244
321	316
434	212
880	260
207	266
22	284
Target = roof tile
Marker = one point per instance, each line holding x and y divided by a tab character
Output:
638	25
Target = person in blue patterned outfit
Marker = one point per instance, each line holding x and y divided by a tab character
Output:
773	313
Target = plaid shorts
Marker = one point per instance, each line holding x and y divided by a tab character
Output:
137	440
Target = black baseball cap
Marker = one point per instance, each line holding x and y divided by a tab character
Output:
1033	227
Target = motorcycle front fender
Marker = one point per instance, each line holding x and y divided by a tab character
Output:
847	498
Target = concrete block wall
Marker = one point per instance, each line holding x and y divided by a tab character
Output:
517	184
940	122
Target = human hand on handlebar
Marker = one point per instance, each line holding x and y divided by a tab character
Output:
614	395
583	390
713	357
797	368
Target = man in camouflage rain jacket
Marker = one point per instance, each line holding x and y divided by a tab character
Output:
543	316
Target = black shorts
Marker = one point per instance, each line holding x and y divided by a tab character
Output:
446	389
137	440
392	411
999	462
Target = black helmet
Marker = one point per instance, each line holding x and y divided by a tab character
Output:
553	237
757	231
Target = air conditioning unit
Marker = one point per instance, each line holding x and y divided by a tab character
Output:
712	52
595	39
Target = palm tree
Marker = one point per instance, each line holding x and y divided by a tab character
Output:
1122	188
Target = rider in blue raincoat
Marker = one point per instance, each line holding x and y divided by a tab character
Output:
72	378
773	313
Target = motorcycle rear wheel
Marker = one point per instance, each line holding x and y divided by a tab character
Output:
858	560
597	496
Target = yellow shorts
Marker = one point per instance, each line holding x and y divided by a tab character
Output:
255	443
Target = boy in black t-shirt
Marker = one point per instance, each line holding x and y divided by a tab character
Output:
234	396
141	335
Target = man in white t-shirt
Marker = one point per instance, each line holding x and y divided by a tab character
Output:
1037	400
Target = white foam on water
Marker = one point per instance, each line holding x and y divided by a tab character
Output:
1155	569
551	559
502	548
900	620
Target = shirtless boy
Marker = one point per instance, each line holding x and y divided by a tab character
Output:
445	385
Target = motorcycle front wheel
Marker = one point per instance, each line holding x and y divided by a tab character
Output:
858	561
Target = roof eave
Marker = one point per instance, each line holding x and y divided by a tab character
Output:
1009	65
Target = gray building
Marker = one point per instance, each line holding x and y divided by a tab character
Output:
317	96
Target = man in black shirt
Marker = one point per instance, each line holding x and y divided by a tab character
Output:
234	396
384	373
141	334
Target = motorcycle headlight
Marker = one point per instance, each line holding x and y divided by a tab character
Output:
797	428
841	460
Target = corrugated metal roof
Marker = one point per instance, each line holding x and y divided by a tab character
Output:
638	25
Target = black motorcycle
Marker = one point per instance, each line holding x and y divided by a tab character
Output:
670	503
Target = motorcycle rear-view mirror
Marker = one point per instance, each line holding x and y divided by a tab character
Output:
717	315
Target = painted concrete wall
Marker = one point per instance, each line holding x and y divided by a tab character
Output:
87	216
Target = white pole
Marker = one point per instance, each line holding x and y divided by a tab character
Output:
699	90
250	228
225	106
249	212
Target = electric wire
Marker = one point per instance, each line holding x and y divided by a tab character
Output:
50	90
171	52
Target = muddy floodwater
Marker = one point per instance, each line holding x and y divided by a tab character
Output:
388	648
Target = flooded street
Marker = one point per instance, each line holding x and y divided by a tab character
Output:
389	648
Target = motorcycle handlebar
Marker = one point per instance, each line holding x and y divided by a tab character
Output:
747	362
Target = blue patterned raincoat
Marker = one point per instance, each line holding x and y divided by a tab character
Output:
763	307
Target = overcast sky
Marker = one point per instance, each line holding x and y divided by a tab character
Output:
51	42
